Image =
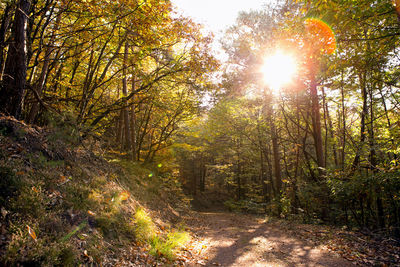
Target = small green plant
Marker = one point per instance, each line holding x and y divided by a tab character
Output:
145	230
166	246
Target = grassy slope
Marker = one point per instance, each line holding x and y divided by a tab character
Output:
63	205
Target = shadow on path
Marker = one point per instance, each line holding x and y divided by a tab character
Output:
245	240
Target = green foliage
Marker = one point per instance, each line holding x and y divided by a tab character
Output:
286	206
359	196
23	250
10	185
161	245
245	206
234	205
166	247
31	201
312	202
68	256
145	230
78	196
39	159
115	224
64	128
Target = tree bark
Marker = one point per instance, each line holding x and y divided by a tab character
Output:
239	190
13	88
263	178
133	121
343	156
5	22
128	135
275	148
329	129
43	75
373	162
364	113
316	119
203	173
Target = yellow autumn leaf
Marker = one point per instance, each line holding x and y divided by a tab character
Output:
91	213
31	232
124	195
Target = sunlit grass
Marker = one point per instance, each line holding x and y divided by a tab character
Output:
145	230
168	246
160	245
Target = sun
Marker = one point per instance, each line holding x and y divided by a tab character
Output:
279	69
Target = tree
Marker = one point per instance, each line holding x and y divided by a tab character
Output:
12	90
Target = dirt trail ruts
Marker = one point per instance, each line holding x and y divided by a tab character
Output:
243	240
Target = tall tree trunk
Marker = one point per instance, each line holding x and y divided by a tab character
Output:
13	88
85	87
316	119
239	190
203	173
133	121
326	141
277	159
143	127
329	129
194	179
271	187
389	124
263	178
5	22
128	135
364	114
120	122
71	80
373	161
294	198
275	146
43	75
343	155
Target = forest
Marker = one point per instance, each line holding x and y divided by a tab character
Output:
299	121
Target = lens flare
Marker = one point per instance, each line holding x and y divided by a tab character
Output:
396	4
279	69
321	35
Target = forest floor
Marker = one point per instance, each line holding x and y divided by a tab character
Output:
66	206
232	239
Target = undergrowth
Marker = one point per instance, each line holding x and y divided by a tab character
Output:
78	210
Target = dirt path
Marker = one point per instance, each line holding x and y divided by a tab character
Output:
228	239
